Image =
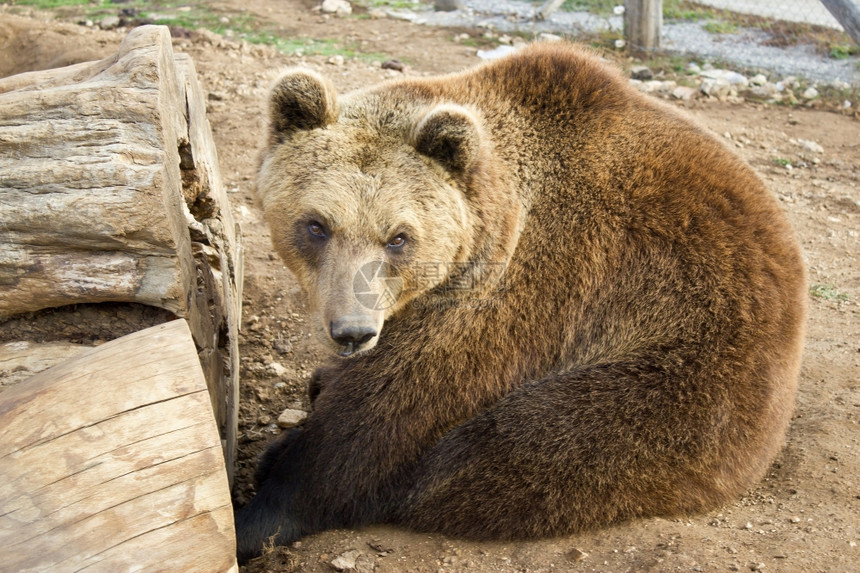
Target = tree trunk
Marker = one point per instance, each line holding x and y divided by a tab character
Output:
110	191
111	461
643	23
846	13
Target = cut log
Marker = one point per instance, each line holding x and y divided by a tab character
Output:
111	461
110	191
22	359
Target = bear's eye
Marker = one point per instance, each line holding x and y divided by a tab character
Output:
317	230
397	242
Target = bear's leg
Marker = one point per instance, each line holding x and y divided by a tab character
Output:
581	450
268	516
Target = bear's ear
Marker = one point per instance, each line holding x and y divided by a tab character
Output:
301	100
450	134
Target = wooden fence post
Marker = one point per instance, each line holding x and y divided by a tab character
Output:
643	23
848	14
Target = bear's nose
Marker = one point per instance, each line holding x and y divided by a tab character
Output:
352	332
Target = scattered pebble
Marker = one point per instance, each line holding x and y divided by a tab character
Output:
396	65
336	7
276	369
290	418
345	561
810	146
576	554
810	93
641	73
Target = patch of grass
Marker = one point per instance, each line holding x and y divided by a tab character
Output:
198	14
782	161
720	27
599	8
51	4
396	4
686	10
843	51
827	292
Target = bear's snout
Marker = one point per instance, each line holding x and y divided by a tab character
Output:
353	333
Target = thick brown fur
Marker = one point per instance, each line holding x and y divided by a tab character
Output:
638	356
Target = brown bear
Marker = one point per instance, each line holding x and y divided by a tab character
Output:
586	309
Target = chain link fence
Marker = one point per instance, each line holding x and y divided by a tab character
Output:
788	37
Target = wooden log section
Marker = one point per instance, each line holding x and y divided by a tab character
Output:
110	191
111	461
643	24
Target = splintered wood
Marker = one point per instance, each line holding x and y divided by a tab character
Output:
111	461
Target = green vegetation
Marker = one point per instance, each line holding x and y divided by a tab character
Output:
782	162
686	10
194	15
396	4
720	27
827	292
843	51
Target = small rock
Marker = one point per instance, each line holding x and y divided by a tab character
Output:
641	73
109	22
758	80
336	60
276	369
447	5
758	567
345	561
393	65
380	547
810	146
547	37
576	554
716	87
810	93
282	346
693	68
337	7
763	91
290	418
733	78
748	525
684	93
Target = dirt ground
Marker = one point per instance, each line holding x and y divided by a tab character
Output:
804	516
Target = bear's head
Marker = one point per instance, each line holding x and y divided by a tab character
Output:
373	200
